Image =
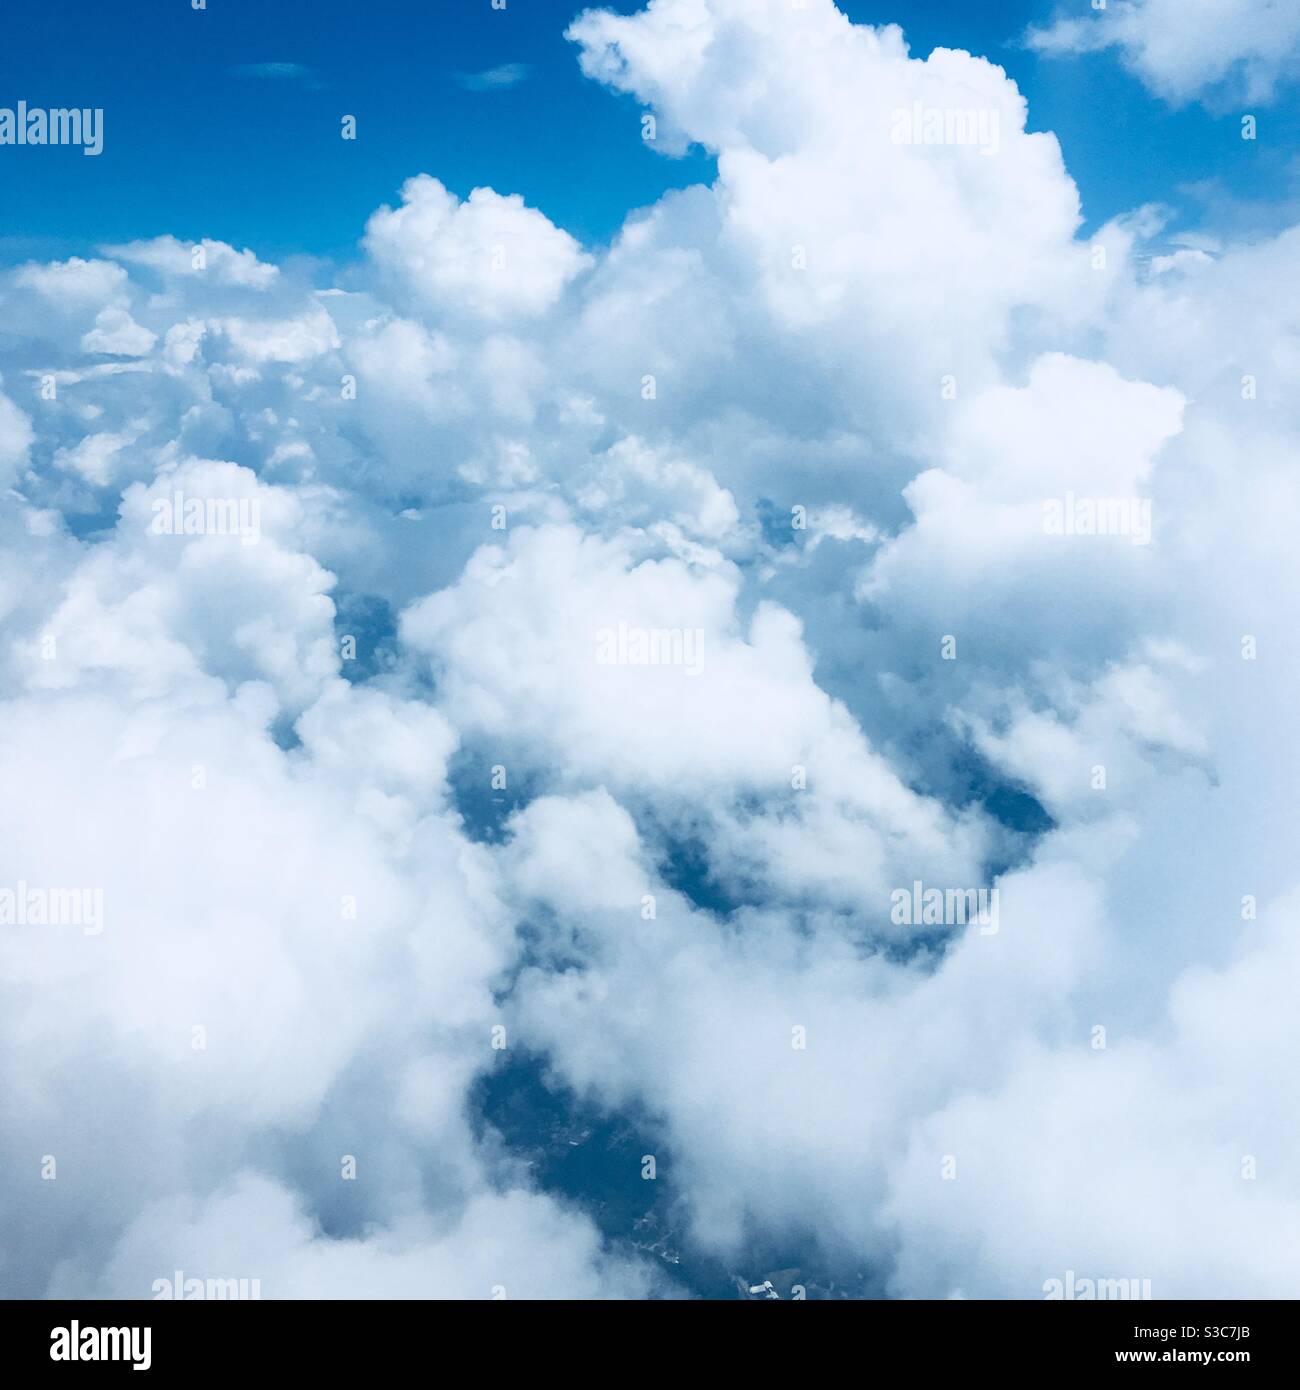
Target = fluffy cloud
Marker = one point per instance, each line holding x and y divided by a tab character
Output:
117	334
536	652
15	439
590	644
489	257
223	600
518	1245
172	259
851	260
1104	1160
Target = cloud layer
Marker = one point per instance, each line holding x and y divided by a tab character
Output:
504	648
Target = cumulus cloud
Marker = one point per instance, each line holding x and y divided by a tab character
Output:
15	439
536	647
518	1245
490	257
515	653
172	258
117	334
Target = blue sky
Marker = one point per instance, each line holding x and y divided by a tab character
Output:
224	122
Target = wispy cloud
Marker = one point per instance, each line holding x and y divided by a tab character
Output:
494	79
280	72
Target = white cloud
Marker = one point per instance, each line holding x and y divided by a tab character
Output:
72	282
291	340
159	606
1125	1163
15	439
494	79
1189	49
487	469
117	334
535	650
489	257
514	1245
174	259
